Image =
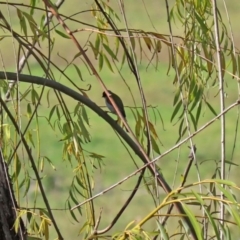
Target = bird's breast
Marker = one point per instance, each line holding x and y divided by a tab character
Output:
110	107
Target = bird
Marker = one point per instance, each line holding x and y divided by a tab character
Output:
118	102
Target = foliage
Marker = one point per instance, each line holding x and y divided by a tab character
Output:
204	60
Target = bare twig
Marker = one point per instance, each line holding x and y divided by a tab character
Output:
96	233
222	107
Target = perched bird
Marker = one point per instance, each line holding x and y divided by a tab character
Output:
118	102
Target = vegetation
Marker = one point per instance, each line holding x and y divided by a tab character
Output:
75	172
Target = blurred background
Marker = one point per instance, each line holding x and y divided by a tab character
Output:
159	91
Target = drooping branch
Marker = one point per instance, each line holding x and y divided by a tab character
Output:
86	101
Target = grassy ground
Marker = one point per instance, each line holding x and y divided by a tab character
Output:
159	92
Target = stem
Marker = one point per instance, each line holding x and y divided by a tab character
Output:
222	107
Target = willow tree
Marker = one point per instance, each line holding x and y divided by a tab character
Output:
63	154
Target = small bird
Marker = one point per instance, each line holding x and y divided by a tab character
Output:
118	102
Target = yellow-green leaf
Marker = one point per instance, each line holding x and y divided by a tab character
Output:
62	34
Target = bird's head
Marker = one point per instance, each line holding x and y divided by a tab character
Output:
104	95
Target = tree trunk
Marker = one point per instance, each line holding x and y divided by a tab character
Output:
8	207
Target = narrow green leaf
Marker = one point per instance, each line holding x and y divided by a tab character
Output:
155	146
138	126
110	52
18	166
198	112
82	229
84	131
66	128
58	113
78	71
211	108
97	43
95	51
26	184
163	233
176	110
29	110
213	224
48	97
32	4
77	55
77	108
234	64
184	131
158	46
30	138
24	95
201	21
117	45
234	211
199	199
84	115
62	34
78	191
222	227
100	61
208	57
108	63
226	182
51	112
123	59
228	233
180	127
193	121
194	221
72	197
31	22
80	183
176	97
34	96
231	163
72	212
226	193
50	162
147	41
197	97
22	22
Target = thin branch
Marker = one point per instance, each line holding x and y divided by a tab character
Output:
100	232
222	107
